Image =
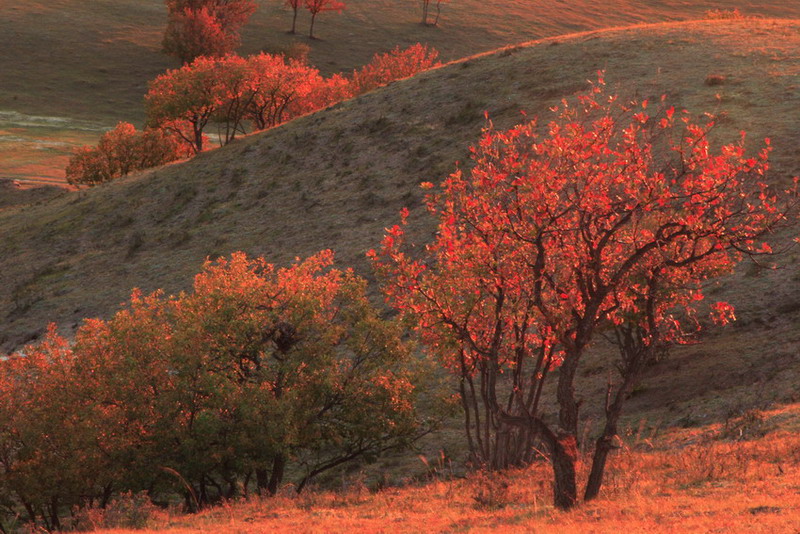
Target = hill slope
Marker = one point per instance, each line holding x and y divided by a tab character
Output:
335	179
76	67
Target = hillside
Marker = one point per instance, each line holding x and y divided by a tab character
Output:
707	480
72	67
335	179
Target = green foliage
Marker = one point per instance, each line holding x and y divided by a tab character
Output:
255	369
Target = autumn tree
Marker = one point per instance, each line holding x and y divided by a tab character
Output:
295	7
198	28
315	7
206	392
281	89
121	151
394	65
608	220
187	99
48	461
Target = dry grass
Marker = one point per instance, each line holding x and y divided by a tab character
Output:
92	60
335	179
712	485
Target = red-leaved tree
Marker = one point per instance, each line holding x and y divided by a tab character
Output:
315	7
394	65
281	89
608	219
124	150
198	28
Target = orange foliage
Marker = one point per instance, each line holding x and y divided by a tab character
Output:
610	220
394	65
121	151
203	393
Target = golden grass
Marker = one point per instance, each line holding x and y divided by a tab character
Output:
335	179
712	485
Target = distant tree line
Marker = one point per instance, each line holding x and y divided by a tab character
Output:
235	94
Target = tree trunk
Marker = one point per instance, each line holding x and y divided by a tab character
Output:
198	139
294	21
311	29
564	455
276	477
262	480
602	448
425	12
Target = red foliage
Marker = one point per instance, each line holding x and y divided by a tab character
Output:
604	221
121	151
394	65
264	90
281	89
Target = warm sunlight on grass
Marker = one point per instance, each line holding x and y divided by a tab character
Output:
698	481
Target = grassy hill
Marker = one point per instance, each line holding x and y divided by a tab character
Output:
72	67
716	479
335	179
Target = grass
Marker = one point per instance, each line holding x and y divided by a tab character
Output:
92	60
684	481
325	181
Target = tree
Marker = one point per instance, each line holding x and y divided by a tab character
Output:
48	462
198	28
202	393
187	99
315	7
281	89
609	221
295	5
394	65
425	10
121	151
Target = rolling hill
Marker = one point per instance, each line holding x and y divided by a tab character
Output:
74	68
336	178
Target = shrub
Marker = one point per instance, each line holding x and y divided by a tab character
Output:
394	65
121	151
256	369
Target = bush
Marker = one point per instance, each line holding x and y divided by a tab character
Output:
121	151
204	393
394	65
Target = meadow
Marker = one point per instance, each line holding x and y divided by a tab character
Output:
710	436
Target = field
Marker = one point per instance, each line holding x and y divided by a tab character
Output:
76	62
742	476
711	441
